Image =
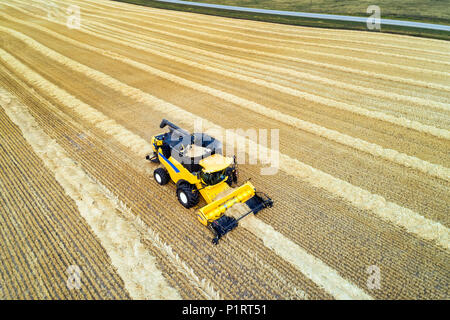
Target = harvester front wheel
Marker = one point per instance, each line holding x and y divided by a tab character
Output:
161	176
187	195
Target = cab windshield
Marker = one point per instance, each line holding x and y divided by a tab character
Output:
213	177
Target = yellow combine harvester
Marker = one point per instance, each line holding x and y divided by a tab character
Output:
194	162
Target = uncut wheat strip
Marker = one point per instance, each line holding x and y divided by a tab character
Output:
141	45
183	117
293	31
295	50
359	144
18	262
135	265
363	199
368	74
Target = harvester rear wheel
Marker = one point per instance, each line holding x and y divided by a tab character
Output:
161	176
188	195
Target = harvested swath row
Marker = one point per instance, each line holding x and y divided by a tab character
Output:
376	150
287	31
139	272
55	239
165	226
280	57
338	293
139	44
253	36
258	46
352	239
359	197
118	185
332	103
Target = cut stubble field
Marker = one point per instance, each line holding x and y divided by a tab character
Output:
364	173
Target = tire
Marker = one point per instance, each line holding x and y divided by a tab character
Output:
187	195
161	176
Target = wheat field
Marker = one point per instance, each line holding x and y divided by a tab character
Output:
364	157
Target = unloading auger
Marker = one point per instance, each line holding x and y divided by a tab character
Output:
194	162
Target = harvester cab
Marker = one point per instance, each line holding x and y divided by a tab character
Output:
194	162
